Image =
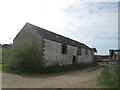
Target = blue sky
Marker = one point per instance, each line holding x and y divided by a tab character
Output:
93	22
97	24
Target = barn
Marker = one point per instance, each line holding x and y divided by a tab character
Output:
55	49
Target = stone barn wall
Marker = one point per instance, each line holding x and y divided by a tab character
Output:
53	55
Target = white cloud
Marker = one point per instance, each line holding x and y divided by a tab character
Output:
54	16
98	28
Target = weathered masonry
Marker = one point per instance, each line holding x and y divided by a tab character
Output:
114	57
54	48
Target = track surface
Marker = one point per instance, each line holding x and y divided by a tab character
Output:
86	78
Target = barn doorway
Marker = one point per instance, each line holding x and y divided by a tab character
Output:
74	60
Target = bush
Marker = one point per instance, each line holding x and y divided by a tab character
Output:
25	56
4	54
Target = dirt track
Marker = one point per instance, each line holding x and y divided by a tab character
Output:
75	79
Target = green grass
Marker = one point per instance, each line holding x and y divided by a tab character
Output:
108	79
5	68
49	70
0	67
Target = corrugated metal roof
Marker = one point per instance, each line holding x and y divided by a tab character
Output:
56	37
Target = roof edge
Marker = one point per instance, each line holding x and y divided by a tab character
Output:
60	35
20	31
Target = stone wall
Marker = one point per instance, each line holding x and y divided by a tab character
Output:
114	65
53	55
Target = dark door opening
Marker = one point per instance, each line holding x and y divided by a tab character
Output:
74	60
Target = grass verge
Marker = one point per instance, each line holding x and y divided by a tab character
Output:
0	67
49	70
108	79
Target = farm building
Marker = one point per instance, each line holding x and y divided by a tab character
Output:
114	53
94	50
55	49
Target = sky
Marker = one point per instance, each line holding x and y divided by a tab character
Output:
92	22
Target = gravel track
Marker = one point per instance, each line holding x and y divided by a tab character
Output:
86	78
